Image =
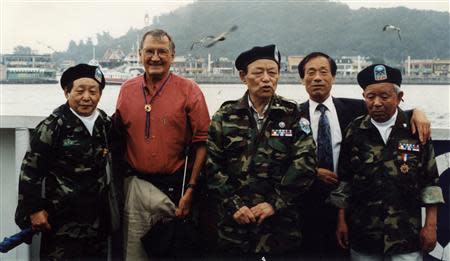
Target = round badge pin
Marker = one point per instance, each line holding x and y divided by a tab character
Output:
281	124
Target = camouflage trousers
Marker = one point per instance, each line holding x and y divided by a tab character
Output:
57	247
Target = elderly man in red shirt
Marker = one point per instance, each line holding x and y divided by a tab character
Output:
162	114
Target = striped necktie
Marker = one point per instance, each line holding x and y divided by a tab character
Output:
324	149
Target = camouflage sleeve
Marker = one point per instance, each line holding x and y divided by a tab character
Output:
301	172
339	196
34	169
218	182
431	193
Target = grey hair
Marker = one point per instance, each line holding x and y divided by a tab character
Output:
397	89
159	34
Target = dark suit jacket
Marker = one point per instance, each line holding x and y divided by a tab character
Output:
347	110
319	228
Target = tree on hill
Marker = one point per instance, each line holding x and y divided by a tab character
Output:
298	28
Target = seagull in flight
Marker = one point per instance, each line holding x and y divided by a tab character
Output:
202	42
210	40
390	27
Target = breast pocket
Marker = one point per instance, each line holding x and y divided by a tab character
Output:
175	120
365	166
279	148
72	147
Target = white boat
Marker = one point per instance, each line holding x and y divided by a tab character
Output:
120	74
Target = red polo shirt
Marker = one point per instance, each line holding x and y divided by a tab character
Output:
178	115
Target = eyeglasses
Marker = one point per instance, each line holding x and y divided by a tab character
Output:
160	52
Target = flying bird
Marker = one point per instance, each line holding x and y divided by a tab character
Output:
210	40
390	27
202	41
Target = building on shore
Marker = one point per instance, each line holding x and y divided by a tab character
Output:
27	68
427	67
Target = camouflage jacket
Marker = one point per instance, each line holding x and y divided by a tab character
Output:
69	164
383	186
246	167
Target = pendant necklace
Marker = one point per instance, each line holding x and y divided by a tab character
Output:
148	106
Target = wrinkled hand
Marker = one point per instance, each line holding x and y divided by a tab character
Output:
421	124
262	211
342	234
39	221
327	176
184	206
428	238
244	216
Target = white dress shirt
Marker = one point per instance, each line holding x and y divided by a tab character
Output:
336	135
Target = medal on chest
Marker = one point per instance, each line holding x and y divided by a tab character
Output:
404	168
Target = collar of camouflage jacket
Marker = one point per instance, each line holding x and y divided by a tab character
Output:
274	104
401	121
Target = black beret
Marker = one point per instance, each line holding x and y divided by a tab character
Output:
378	73
82	70
269	52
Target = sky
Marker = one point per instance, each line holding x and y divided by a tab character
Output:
47	25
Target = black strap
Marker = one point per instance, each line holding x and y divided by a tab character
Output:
147	114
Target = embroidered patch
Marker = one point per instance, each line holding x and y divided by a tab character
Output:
275	55
305	125
380	73
98	75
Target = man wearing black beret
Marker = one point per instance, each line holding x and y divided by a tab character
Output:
386	176
63	176
329	116
260	161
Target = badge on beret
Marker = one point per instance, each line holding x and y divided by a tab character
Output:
380	73
98	75
275	54
305	125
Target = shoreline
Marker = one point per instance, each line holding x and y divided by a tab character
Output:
285	78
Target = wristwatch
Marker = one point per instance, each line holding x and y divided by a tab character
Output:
190	185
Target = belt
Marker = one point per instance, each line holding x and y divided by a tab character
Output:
169	184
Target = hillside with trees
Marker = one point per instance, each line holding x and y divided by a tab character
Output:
296	27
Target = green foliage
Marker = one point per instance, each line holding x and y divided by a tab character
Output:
297	27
